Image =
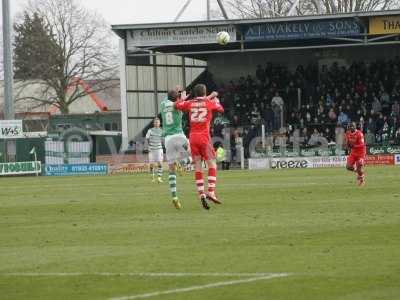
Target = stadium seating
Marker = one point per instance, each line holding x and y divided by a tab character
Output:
318	101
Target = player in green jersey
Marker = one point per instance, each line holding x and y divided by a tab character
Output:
154	138
176	143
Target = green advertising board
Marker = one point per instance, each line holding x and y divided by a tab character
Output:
384	150
20	168
304	152
330	151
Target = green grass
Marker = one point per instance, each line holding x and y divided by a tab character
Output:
336	240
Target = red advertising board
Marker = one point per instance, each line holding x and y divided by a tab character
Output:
130	168
375	160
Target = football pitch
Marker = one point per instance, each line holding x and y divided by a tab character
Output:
288	234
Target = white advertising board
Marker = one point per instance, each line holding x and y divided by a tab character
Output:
11	129
177	36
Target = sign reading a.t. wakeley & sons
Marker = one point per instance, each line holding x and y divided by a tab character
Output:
302	30
11	129
177	36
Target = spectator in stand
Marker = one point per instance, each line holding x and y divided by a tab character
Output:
361	122
291	95
370	138
371	126
233	136
328	100
260	74
251	134
380	122
329	136
315	138
268	116
332	116
385	132
379	127
277	107
219	123
293	120
385	101
362	90
397	137
393	122
343	118
321	110
235	121
376	105
255	115
396	109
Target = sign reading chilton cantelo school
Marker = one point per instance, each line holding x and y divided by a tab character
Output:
177	36
302	30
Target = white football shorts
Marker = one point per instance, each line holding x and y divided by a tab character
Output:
177	148
156	156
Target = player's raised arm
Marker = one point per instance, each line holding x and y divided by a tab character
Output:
212	96
183	96
182	105
215	105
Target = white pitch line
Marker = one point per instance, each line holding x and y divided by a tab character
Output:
138	274
200	287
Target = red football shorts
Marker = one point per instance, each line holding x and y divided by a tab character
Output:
357	159
202	148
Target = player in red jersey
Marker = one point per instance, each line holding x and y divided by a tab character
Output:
356	158
200	111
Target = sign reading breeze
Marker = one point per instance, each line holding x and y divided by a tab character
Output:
11	129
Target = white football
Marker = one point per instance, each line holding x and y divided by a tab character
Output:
223	38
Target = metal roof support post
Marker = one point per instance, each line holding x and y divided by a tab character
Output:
345	39
388	36
221	6
184	7
293	8
7	58
241	41
208	10
9	113
155	83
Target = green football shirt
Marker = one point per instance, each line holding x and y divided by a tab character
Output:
171	118
154	136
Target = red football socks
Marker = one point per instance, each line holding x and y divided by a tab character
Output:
212	179
199	182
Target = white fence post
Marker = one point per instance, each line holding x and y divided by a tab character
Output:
242	157
263	136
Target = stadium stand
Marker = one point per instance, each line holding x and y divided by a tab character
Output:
316	101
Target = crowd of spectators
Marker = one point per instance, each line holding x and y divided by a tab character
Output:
315	102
